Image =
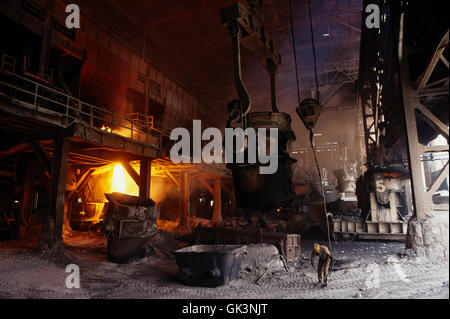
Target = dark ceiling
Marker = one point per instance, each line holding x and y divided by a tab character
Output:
190	32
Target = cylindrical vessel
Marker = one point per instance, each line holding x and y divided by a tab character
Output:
260	192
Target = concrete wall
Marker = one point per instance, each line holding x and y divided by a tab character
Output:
429	237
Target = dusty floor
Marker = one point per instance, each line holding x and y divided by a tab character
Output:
365	270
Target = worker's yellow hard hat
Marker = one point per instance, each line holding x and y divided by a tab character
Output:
316	247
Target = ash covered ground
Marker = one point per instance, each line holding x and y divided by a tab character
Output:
363	270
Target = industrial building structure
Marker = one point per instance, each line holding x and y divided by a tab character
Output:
357	90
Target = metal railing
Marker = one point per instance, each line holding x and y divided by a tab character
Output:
142	119
50	101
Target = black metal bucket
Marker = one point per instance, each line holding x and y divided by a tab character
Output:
124	250
209	265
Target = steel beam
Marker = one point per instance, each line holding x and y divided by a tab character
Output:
46	38
58	186
410	100
132	172
207	186
217	213
437	55
145	178
432	120
173	180
27	194
443	174
185	204
42	155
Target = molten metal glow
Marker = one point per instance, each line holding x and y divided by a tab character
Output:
106	128
122	182
118	182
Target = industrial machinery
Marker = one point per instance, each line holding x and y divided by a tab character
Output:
390	206
209	265
254	191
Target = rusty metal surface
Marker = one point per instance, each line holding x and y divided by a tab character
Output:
255	191
246	29
256	38
209	265
129	217
287	244
369	230
309	111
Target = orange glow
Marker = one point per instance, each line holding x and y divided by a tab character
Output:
122	131
106	128
118	182
122	182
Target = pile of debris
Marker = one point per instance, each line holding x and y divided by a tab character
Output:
345	210
162	244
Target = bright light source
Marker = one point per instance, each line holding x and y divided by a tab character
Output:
106	128
212	203
118	182
326	34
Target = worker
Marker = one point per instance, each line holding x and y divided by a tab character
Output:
325	261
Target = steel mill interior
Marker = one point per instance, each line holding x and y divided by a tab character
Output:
222	149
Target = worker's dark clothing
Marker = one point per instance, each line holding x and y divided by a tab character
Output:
325	260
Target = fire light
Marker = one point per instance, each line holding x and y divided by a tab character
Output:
122	182
118	182
106	128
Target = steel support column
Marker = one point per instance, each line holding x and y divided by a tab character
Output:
217	213
58	186
422	195
185	205
46	38
27	196
410	99
145	175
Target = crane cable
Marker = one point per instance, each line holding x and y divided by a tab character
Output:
295	53
314	49
313	147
